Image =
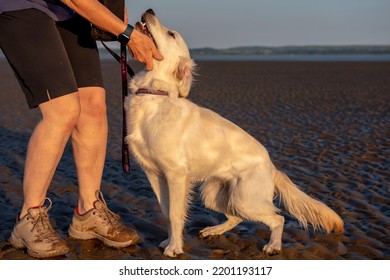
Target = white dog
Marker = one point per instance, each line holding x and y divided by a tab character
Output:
178	143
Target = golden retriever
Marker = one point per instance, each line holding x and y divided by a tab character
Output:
178	143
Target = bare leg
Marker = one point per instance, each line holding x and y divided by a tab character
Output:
46	146
89	142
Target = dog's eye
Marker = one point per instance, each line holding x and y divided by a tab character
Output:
170	33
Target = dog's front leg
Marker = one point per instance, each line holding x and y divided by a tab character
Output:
161	190
178	187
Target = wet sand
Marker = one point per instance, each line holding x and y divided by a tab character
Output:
326	124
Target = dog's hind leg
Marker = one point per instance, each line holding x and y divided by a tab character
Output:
252	199
275	223
230	223
215	194
266	214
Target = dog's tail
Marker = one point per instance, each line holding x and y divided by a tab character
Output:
304	208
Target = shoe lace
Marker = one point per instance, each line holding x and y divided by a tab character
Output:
41	220
108	214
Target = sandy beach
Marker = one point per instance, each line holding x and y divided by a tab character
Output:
325	124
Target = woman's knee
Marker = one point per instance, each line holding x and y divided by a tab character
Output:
93	102
63	111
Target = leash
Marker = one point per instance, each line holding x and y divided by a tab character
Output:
125	70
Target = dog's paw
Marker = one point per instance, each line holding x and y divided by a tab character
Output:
173	251
208	231
272	249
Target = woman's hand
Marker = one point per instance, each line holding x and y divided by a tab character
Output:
143	49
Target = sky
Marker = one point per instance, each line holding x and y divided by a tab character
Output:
228	23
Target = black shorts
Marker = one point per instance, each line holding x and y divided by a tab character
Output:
50	59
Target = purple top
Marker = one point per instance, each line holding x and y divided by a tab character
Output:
55	9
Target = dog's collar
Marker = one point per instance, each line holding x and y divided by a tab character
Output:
151	91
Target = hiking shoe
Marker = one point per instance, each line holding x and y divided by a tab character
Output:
35	232
100	223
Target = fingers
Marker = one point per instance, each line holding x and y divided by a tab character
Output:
143	49
156	53
149	63
125	17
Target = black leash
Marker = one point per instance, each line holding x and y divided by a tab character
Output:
118	58
125	70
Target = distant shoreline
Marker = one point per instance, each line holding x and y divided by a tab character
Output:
319	58
285	53
104	56
296	50
289	53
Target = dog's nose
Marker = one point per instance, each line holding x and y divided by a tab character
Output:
150	11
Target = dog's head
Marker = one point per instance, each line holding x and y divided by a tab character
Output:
174	73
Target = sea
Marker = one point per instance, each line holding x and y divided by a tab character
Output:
104	55
293	57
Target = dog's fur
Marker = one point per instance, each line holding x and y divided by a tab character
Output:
178	143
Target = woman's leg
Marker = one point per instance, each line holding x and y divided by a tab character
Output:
46	145
92	218
89	141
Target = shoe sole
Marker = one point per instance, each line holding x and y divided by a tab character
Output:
87	235
18	243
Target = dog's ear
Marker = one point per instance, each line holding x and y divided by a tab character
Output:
184	73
